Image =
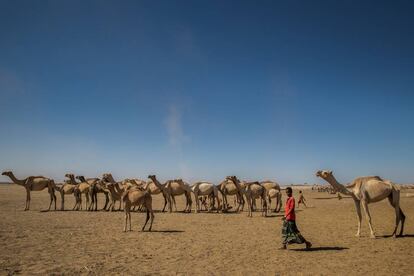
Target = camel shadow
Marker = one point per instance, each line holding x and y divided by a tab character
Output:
321	248
398	237
166	231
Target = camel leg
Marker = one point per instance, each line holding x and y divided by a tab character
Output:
197	202
146	220
152	219
51	199
189	202
27	207
366	209
87	200
62	201
402	216
106	201
175	203
358	209
165	202
126	217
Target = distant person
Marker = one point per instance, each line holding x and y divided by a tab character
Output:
290	232
301	199
339	196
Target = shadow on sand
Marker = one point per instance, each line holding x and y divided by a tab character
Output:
166	231
343	197
321	248
398	237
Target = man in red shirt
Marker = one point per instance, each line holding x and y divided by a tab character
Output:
290	232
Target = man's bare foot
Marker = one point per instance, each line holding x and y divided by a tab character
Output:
308	245
283	247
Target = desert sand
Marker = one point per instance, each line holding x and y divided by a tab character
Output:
70	242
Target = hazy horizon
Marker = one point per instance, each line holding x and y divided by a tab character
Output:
205	89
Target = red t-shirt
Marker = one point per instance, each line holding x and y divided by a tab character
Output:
290	204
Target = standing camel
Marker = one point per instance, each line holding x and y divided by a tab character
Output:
66	189
34	183
228	187
252	192
366	190
203	188
273	191
178	187
81	188
155	187
137	197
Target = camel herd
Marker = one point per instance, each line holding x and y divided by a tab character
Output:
138	193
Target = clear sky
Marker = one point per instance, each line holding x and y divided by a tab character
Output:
204	89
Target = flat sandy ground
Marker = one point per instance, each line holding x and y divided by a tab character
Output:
69	242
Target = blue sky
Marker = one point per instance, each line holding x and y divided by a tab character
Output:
205	89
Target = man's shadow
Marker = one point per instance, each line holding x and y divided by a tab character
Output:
321	248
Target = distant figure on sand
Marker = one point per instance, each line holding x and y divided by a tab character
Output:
290	232
301	199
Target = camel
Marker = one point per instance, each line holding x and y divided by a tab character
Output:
137	197
273	191
366	190
66	189
116	190
154	186
34	183
81	188
228	187
205	189
95	188
178	187
252	192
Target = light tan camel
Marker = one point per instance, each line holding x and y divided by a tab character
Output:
252	192
67	188
366	190
203	188
155	188
228	187
137	197
273	191
81	188
178	187
166	192
34	183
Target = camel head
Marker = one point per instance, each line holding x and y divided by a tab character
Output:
324	174
8	173
69	175
233	178
107	177
152	176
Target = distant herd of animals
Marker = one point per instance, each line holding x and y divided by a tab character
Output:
138	193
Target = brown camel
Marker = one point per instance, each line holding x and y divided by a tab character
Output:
154	186
137	197
34	183
366	190
66	188
116	190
